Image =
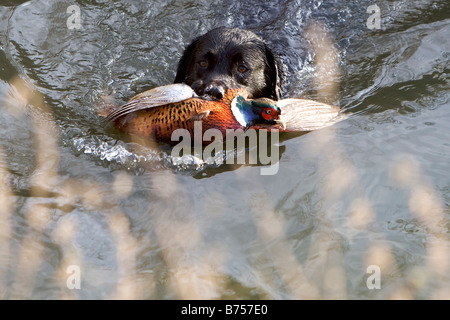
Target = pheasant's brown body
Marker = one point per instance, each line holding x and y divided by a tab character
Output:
160	122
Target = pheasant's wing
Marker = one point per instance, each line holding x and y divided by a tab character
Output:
153	98
308	115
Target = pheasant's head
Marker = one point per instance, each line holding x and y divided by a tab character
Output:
260	111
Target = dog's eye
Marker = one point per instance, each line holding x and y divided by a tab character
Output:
203	63
241	68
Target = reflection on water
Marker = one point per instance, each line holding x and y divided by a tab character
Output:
368	195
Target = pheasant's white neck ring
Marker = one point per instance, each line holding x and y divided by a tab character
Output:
237	111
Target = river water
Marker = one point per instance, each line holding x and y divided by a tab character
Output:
360	210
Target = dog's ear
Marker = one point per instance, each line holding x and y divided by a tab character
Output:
185	62
274	73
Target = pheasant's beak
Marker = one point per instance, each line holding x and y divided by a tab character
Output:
281	122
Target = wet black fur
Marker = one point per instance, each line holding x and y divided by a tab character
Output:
226	50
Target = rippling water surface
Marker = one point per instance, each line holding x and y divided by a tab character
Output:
368	197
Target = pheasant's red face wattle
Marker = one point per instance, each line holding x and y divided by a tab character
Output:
269	114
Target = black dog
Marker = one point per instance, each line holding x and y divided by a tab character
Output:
227	58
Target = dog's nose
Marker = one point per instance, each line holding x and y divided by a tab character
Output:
215	91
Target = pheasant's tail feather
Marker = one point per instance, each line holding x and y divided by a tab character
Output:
129	107
308	115
166	94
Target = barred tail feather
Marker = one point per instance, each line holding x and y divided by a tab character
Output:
308	115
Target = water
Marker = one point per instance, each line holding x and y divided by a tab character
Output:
373	190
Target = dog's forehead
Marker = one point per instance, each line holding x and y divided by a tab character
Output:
231	47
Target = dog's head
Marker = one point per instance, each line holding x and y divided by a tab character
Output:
227	58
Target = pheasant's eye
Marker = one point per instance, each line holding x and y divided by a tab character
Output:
203	63
269	114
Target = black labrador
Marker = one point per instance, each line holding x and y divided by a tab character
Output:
227	58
